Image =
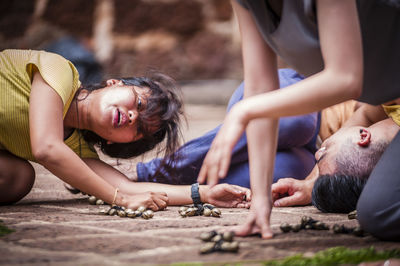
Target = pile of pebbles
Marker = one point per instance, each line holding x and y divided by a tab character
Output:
200	209
215	242
307	223
123	212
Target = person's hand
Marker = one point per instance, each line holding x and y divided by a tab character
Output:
258	220
216	163
225	195
291	192
155	201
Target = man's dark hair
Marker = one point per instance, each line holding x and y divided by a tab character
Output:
340	192
163	111
337	193
353	160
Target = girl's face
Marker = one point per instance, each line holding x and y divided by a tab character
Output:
113	111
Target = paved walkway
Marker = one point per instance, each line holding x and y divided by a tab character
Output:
55	227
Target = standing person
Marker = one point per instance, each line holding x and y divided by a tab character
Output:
342	49
47	117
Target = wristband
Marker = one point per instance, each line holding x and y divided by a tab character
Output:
195	193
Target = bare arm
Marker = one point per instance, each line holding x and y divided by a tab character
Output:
366	115
223	195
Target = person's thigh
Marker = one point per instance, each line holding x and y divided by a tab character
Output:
16	178
378	208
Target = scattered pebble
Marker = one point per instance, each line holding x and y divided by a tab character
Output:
218	242
200	209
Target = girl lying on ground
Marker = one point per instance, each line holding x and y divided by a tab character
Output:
47	117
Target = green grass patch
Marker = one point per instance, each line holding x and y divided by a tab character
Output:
337	256
4	230
327	257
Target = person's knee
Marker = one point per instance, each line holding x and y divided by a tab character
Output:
378	219
16	182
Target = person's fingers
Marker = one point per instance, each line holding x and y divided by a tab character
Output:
212	175
224	162
164	197
160	202
288	201
202	174
248	195
152	206
266	232
236	191
280	187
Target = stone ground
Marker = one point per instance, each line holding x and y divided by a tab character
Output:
54	227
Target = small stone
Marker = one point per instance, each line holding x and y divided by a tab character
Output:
352	215
230	246
130	213
145	215
112	211
190	211
308	226
207	248
285	227
337	229
216	238
138	213
215	212
149	213
206	212
141	209
99	202
228	236
183	209
92	200
296	228
358	231
320	226
121	213
103	212
207	236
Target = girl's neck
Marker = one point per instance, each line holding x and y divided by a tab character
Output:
76	116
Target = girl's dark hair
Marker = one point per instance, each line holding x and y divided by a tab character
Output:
163	111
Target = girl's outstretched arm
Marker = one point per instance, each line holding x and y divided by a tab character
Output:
49	149
222	195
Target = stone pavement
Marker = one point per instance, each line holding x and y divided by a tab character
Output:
54	227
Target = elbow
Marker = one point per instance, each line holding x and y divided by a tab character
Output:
43	153
353	85
349	83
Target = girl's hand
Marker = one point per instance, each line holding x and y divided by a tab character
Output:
216	163
229	196
155	201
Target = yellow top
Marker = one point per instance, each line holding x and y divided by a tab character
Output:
16	74
393	111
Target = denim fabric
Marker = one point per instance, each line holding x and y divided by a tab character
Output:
295	158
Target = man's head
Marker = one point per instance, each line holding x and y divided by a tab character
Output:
345	161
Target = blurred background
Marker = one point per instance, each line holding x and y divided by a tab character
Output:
186	39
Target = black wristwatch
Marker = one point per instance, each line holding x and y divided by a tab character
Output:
195	193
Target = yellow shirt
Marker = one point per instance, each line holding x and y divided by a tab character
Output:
16	74
393	111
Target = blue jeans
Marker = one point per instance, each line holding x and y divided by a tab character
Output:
294	157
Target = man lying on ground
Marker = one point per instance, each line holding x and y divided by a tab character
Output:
344	163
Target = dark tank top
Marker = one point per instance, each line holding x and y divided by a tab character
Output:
290	29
